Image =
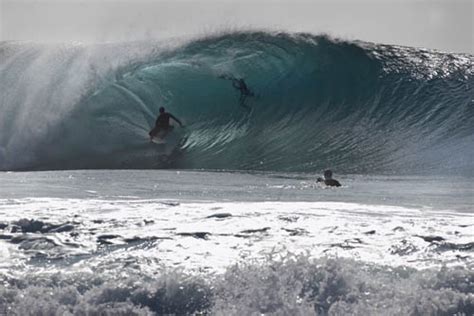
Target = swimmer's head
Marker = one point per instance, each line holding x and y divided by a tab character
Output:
327	174
162	110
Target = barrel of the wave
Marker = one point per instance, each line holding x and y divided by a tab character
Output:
354	107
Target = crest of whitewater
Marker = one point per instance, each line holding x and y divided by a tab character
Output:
237	224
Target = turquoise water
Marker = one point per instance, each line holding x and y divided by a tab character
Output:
318	103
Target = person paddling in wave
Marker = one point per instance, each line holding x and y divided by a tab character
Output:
239	84
328	180
162	124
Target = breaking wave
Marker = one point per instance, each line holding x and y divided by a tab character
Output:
318	102
291	286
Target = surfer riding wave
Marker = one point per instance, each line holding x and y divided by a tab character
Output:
162	124
239	84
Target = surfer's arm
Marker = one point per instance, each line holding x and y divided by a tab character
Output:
176	119
226	77
235	84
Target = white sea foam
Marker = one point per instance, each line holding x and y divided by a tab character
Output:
233	244
213	235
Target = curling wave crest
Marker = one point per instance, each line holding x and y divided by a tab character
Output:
318	102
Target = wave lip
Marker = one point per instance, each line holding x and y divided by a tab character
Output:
317	102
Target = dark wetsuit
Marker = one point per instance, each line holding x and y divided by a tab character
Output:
242	86
332	183
329	182
163	123
163	120
245	92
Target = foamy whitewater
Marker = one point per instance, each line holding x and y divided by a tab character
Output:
226	216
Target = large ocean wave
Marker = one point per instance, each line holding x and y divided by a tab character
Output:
318	102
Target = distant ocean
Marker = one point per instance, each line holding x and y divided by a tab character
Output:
226	217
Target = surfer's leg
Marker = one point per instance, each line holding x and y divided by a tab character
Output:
164	131
242	102
242	99
155	131
152	133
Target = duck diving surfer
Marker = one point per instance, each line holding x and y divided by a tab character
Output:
328	180
163	124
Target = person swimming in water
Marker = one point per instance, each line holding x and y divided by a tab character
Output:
239	84
163	124
328	180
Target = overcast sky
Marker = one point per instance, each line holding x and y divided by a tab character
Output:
441	24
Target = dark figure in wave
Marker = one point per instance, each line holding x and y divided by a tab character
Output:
162	124
239	84
328	180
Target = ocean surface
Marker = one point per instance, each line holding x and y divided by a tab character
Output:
226	216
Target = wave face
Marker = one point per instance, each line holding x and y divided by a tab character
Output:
353	106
